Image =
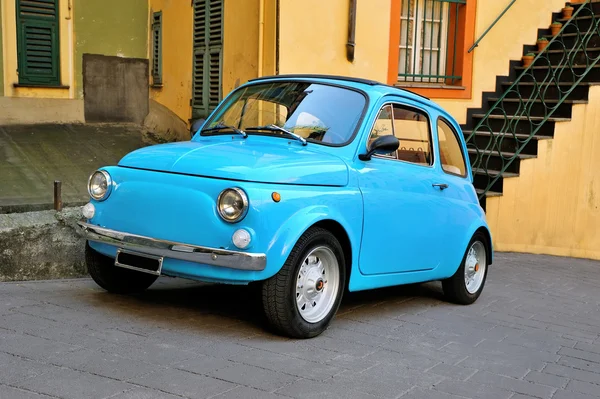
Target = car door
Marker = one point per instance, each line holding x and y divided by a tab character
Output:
400	200
457	199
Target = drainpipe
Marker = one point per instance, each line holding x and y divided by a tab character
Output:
350	45
261	33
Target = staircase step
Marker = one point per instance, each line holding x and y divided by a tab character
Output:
550	90
519	124
583	21
522	118
493	159
579	57
537	100
535	106
505	141
571	38
481	179
479	191
567	74
503	154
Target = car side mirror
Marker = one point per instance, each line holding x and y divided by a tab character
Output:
197	124
382	145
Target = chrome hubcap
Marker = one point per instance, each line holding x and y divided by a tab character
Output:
317	284
475	266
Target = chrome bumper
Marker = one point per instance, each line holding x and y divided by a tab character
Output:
175	250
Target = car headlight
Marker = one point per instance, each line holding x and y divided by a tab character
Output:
99	185
232	204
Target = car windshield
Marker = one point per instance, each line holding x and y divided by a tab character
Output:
315	112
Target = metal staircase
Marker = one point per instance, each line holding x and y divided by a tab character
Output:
530	101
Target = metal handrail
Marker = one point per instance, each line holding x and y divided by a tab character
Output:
562	77
476	44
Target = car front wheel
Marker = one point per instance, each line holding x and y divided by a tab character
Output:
301	300
465	286
113	278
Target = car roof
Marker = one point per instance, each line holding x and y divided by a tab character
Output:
382	88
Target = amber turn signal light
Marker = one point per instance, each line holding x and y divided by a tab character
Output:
276	197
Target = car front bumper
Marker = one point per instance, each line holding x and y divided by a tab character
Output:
174	250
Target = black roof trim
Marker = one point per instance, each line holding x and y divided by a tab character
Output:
335	77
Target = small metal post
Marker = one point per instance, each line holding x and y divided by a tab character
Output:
57	195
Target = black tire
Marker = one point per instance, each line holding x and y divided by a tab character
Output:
455	287
279	292
113	278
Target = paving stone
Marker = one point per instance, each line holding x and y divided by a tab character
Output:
247	393
144	393
422	393
546	379
72	384
7	392
203	364
183	383
569	395
324	390
453	372
297	367
14	369
572	373
473	390
514	385
252	376
584	387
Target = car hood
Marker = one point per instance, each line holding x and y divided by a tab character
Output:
246	160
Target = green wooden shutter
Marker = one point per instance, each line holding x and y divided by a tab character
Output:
208	58
38	42
157	48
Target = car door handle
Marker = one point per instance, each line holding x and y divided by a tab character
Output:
441	186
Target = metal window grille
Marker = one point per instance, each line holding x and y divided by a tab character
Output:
428	32
157	48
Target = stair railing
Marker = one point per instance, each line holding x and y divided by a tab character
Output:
562	77
498	18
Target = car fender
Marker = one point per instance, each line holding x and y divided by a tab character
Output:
287	235
476	225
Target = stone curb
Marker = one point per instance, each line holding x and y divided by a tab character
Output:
41	245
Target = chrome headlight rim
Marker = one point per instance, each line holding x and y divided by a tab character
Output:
108	185
245	203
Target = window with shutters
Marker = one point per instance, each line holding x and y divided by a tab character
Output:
208	48
157	48
38	42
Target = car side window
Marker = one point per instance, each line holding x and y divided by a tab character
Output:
451	155
411	127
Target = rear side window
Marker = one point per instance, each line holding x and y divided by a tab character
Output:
451	155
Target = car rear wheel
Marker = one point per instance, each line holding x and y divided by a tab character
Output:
465	286
115	279
301	300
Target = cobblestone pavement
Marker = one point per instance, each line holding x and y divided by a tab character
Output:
534	333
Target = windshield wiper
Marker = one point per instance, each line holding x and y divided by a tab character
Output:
228	127
275	128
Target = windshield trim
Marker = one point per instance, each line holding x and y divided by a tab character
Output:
359	123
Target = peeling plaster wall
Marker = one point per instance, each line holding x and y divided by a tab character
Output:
109	27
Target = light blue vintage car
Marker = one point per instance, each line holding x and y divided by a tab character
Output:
311	186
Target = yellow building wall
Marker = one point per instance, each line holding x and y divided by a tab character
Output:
553	207
503	43
177	56
9	37
241	25
313	36
240	43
